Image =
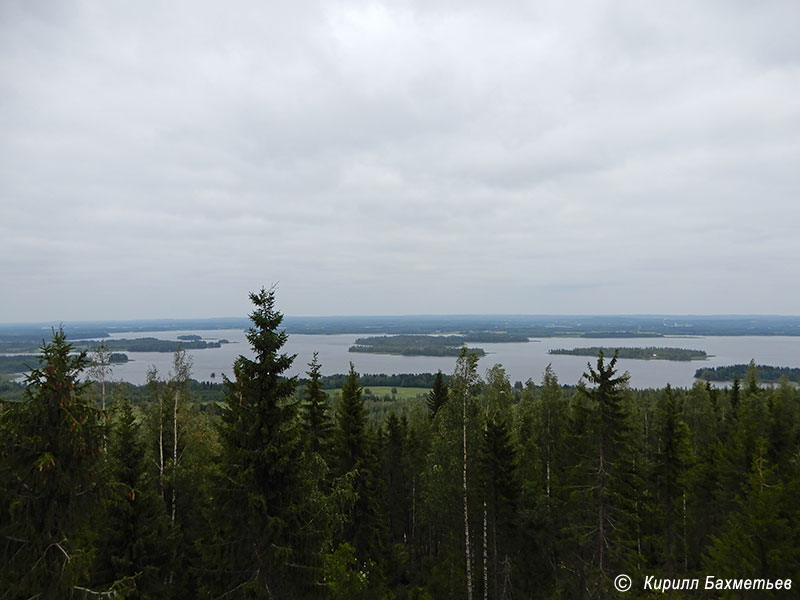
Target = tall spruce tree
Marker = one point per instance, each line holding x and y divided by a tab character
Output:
270	530
438	395
672	462
356	458
135	541
319	428
502	492
52	456
602	506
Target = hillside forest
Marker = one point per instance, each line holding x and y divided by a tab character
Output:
476	489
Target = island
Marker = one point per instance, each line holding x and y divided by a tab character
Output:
649	353
190	338
147	344
414	345
22	363
731	372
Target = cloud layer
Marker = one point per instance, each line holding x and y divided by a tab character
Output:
375	158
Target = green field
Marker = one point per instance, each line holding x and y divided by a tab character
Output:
403	393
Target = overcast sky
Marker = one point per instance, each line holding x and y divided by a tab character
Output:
162	159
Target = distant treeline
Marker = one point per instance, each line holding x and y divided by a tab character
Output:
649	353
209	393
31	343
150	344
729	373
413	345
494	337
22	363
621	334
538	326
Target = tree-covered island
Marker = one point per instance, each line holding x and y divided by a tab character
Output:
731	372
649	353
414	345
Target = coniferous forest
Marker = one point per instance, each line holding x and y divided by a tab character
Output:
480	490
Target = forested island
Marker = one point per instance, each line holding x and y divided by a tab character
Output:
731	372
649	353
478	489
145	344
414	345
21	363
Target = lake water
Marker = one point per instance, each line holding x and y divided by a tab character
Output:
521	360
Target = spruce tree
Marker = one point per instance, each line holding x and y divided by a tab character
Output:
672	462
602	502
438	395
761	539
270	530
502	492
395	473
135	541
319	428
355	457
52	456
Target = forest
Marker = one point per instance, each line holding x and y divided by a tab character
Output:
480	489
649	353
413	345
765	372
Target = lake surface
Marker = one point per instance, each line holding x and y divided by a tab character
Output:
522	361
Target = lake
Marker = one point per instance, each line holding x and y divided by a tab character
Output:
521	360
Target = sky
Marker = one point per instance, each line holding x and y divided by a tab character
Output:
165	159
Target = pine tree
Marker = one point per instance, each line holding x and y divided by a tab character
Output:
51	452
270	529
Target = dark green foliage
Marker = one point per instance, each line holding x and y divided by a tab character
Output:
135	541
602	516
396	478
413	345
543	458
269	532
51	477
424	380
438	395
672	461
355	457
553	489
649	353
319	427
761	538
729	373
502	493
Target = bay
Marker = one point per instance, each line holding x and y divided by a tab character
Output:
522	361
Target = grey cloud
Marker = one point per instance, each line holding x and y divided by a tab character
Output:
419	158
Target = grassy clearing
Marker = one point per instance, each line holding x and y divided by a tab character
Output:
403	393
